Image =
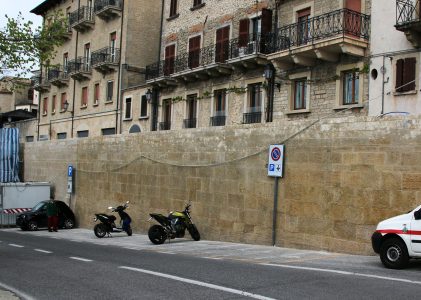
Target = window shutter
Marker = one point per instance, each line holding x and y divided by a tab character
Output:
173	8
194	51
169	60
222	44
409	74
266	21
399	77
244	32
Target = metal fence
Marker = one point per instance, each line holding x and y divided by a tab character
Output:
7	220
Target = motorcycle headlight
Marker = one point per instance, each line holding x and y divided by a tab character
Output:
95	219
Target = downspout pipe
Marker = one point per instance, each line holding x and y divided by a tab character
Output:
119	85
74	82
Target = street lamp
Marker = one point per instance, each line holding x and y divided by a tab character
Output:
268	72
66	106
148	95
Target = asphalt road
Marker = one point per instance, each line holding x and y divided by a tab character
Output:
75	265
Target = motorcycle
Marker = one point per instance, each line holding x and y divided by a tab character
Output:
173	226
107	225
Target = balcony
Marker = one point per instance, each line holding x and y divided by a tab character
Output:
249	51
40	83
82	19
165	125
80	68
106	60
408	20
218	121
160	72
108	9
252	117
190	123
58	76
323	37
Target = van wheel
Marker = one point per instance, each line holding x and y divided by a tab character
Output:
394	254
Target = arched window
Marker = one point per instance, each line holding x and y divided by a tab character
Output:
134	129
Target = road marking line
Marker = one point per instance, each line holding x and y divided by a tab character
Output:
345	273
200	283
15	245
80	258
43	251
208	257
16	291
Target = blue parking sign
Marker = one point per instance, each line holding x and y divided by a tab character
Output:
69	171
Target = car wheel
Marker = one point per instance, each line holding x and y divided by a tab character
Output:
69	224
100	230
33	226
394	254
157	234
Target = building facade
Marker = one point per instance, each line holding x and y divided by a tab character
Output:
250	62
109	42
395	71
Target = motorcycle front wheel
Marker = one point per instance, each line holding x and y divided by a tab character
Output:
100	230
194	232
129	231
157	234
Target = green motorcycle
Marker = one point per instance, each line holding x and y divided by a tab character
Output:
173	226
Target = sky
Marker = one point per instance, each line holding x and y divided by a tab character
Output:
13	7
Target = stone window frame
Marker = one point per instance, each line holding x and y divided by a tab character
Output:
296	9
291	93
417	75
143	98
226	24
220	87
188	42
125	108
247	94
161	104
188	93
339	86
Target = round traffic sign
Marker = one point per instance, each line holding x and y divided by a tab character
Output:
275	154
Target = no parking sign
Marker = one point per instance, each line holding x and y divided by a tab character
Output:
276	160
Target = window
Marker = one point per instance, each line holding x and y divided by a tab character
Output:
134	129
45	106
197	2
300	94
53	104
84	96
194	52
219	105
96	93
173	8
65	63
61	135
169	60
108	131
83	133
303	25
166	115
222	44
110	91
128	108
29	138
191	110
63	100
350	87
405	74
113	38
87	58
253	113
143	107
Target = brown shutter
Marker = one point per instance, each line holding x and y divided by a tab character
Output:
173	8
399	73
169	60
194	52
244	33
266	21
409	74
218	51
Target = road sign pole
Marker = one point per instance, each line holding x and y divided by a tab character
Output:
275	211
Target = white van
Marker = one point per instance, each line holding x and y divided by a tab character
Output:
398	239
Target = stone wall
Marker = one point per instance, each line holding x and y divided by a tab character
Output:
342	176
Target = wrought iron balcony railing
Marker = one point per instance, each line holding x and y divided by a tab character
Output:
252	44
80	64
102	4
199	58
165	125
190	123
107	55
252	117
58	73
218	120
407	12
343	22
85	13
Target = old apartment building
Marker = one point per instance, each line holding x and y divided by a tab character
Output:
109	43
249	62
395	63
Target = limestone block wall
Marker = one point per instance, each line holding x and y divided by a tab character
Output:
342	176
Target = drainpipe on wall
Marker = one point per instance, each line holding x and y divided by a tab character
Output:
119	85
74	82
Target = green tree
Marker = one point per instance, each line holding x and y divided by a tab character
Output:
24	48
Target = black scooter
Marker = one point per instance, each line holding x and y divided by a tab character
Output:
107	225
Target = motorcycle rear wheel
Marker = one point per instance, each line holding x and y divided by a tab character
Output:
157	234
100	230
194	232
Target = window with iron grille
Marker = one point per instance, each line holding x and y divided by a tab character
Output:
128	108
350	86
254	98
405	74
300	94
143	107
220	102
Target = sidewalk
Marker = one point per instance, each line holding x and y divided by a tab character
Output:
205	249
